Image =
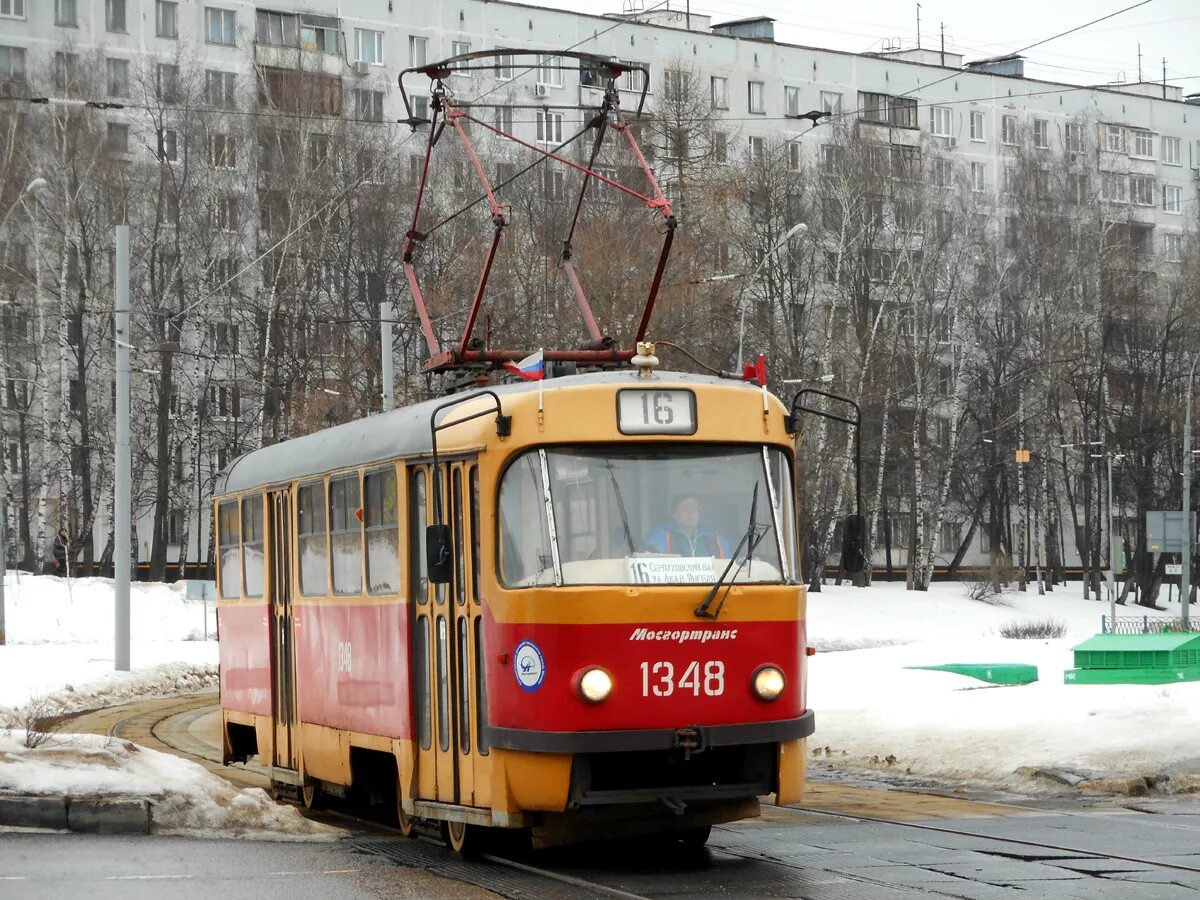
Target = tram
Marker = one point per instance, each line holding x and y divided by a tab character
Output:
461	608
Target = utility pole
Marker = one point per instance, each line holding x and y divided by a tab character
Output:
1185	574
1112	552
121	465
3	563
386	315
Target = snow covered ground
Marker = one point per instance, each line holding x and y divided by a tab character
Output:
870	707
873	713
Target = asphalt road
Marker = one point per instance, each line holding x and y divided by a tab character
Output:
45	866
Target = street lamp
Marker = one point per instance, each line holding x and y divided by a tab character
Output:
38	184
1185	574
798	229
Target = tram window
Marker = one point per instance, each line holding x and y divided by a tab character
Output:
443	686
459	551
345	531
416	536
781	482
480	690
383	532
310	503
421	681
525	554
474	484
229	534
253	565
464	688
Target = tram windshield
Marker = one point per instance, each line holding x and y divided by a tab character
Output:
650	514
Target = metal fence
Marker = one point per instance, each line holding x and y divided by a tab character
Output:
1146	625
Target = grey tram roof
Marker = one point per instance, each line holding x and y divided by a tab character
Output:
402	432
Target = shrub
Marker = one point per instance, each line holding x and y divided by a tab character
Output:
1035	629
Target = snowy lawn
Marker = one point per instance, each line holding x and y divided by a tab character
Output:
873	713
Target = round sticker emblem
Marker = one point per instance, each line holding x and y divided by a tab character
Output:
529	666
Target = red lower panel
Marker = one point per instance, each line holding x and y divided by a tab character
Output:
245	652
352	667
665	675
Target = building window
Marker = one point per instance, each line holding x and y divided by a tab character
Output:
420	107
553	184
12	63
977	176
1143	144
1072	138
117	140
114	15
461	48
276	28
793	148
504	67
943	172
319	33
1041	134
831	158
549	127
168	82
417	51
1114	138
977	129
791	101
1172	198
1077	189
166	23
1170	151
368	46
1173	246
116	73
65	67
757	149
219	89
950	537
503	117
1141	189
755	97
1114	187
222	151
939	121
65	13
888	110
219	25
168	149
1008	130
12	9
718	88
720	147
549	71
227	213
368	105
224	401
633	76
831	102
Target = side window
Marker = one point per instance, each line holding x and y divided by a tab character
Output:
383	532
480	689
253	566
229	537
460	551
464	688
345	533
421	681
314	561
443	685
475	563
416	529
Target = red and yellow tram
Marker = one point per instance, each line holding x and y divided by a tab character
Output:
460	607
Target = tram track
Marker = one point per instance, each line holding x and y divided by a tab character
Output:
166	725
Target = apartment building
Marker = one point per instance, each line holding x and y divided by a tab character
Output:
354	50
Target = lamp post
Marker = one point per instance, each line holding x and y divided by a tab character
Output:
1185	574
1109	456
798	228
38	184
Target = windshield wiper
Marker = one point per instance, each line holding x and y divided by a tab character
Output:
749	540
620	506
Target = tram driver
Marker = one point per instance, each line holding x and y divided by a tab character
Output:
685	534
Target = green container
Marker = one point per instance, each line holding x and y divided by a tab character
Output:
1136	659
993	673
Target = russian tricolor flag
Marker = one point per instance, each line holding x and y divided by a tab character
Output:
531	368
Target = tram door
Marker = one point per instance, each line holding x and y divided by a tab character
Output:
283	659
444	640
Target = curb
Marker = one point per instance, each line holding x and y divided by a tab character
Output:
89	815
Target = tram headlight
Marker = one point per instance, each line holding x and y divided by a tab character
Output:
768	682
594	685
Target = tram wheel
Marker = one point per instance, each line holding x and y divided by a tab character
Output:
463	838
403	822
310	795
